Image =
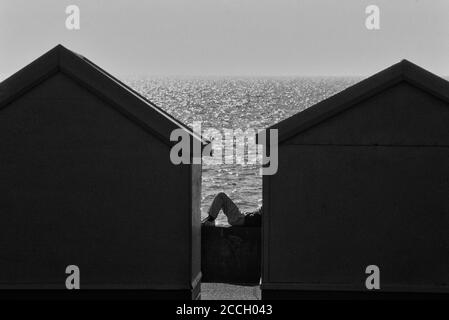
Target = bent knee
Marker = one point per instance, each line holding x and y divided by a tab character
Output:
222	195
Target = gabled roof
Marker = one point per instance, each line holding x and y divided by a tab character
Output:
127	101
344	100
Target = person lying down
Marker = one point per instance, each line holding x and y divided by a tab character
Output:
232	212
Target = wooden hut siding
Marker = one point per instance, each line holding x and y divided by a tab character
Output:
362	181
87	180
394	117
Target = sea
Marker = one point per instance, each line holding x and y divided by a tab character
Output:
235	103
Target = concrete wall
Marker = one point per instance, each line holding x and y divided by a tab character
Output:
368	186
82	184
231	255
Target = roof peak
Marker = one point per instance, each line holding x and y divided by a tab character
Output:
130	103
403	71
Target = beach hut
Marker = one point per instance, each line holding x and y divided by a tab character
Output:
86	180
363	180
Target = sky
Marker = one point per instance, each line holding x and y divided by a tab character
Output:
229	37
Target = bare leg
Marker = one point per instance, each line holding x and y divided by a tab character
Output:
232	212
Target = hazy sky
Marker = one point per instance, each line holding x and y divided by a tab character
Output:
230	37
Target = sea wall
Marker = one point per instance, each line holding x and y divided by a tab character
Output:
231	254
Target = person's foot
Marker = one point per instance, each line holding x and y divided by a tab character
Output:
209	222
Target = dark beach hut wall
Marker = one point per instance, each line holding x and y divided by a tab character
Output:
363	180
86	180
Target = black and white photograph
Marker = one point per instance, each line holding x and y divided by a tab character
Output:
243	151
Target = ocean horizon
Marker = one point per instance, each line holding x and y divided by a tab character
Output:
235	103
